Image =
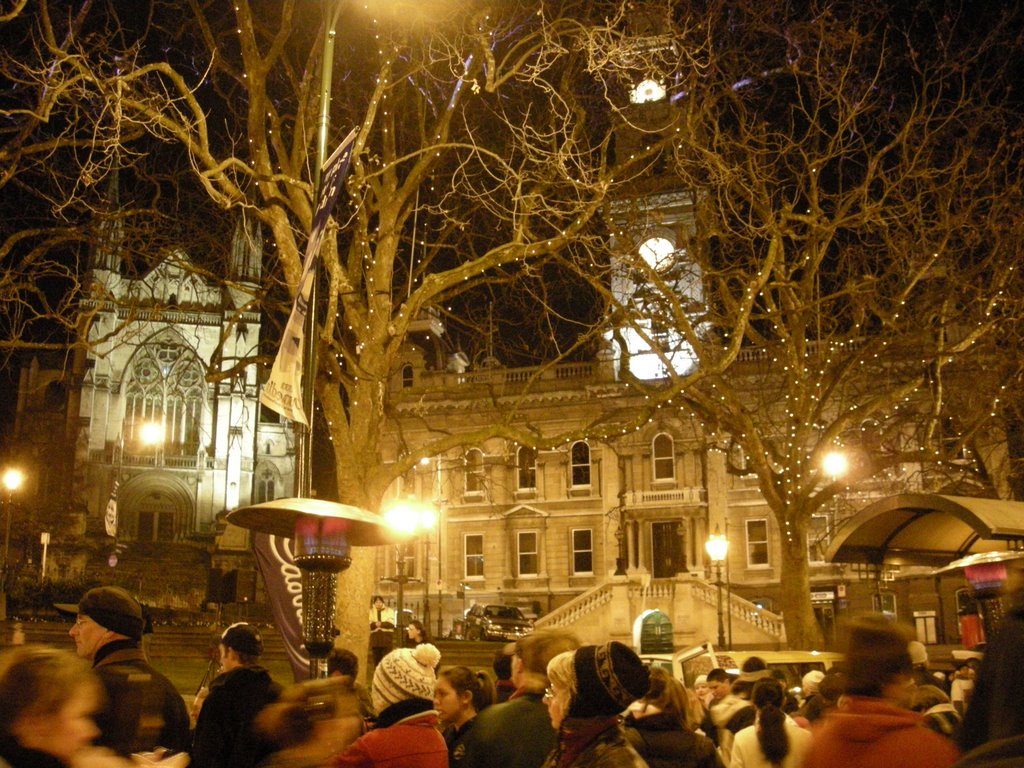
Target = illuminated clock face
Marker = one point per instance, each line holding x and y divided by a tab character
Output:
647	91
657	251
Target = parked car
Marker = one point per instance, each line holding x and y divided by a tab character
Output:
686	665
496	622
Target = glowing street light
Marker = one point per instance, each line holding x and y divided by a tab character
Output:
717	547
152	433
406	519
12	480
835	464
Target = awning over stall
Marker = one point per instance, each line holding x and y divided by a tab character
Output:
927	529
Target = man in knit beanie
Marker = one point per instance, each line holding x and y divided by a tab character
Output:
405	733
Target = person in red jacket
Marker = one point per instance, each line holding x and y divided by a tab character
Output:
872	727
405	734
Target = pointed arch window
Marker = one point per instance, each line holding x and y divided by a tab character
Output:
664	457
267	483
166	384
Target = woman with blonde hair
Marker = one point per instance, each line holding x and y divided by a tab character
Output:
661	726
47	699
589	689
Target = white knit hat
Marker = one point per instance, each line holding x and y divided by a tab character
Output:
405	673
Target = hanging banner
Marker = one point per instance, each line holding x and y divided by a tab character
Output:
284	591
110	516
283	391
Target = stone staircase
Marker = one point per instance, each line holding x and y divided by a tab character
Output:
610	612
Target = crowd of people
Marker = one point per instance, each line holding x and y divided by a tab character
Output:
547	702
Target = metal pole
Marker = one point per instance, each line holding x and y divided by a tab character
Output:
304	433
400	618
440	599
7	539
721	623
426	584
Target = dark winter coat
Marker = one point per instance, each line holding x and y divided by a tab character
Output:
13	755
455	740
497	738
663	743
593	743
224	735
136	695
995	711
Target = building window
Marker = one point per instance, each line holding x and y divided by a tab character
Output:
757	543
526	467
474	547
663	451
528	554
885	604
407	376
265	485
817	538
474	471
167	385
582	551
579	457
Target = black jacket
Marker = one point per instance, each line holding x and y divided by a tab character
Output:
142	709
663	743
995	711
17	756
224	737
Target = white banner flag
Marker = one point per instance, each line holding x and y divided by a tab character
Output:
283	390
110	517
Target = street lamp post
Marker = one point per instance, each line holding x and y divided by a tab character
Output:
12	480
717	547
150	433
406	518
322	533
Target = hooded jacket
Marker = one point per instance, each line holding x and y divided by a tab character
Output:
875	733
224	737
663	743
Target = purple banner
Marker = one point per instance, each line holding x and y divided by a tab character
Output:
284	590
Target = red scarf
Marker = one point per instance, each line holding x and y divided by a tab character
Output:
576	735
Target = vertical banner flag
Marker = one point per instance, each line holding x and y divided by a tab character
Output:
284	591
110	516
283	391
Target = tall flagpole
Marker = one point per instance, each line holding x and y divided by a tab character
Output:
304	432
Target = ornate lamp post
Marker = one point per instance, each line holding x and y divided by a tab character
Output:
322	533
717	547
406	519
12	480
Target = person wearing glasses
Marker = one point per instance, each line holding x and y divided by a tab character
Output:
589	689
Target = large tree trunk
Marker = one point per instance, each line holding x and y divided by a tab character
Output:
802	629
